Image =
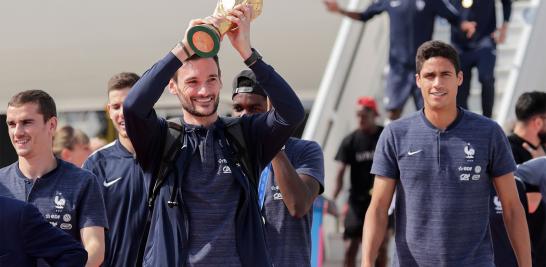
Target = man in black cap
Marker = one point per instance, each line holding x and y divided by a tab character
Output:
288	185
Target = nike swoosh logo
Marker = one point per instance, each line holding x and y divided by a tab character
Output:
108	184
411	153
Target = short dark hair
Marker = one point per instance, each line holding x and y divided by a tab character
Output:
122	80
432	49
46	104
530	104
196	57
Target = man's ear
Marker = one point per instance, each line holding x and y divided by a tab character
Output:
65	154
52	124
418	80
460	78
173	87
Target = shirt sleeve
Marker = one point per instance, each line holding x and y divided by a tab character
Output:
345	151
506	10
271	130
376	8
448	11
533	171
502	161
311	162
42	240
91	208
385	159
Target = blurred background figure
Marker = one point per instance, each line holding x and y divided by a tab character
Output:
356	151
527	142
71	145
480	50
96	142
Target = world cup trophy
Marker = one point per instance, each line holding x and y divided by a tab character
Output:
204	39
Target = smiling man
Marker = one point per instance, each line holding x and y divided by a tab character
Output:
442	162
67	196
122	180
206	212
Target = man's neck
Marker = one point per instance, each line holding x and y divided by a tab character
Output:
37	166
200	121
369	130
527	134
126	143
441	118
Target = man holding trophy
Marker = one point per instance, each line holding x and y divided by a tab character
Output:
206	212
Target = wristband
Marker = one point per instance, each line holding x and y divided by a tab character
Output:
255	56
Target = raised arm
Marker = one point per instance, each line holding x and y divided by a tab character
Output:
273	128
377	7
143	126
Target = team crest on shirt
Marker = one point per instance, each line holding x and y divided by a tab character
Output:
470	152
59	201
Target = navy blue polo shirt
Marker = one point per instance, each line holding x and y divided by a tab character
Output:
443	187
411	24
68	197
125	191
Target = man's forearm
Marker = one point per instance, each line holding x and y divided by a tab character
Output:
95	252
296	195
516	227
339	182
375	227
350	14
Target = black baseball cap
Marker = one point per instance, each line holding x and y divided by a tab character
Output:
252	86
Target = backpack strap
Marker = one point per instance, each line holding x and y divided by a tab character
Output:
235	135
171	149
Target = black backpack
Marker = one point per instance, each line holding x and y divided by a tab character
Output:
171	148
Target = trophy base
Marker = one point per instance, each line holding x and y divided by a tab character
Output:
204	40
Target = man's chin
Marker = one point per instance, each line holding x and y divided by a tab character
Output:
202	113
123	134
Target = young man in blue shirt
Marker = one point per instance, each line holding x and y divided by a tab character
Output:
206	212
288	186
411	24
442	161
67	196
25	237
122	180
480	50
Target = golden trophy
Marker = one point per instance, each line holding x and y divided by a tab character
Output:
204	39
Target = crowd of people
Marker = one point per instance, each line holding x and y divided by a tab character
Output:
208	190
